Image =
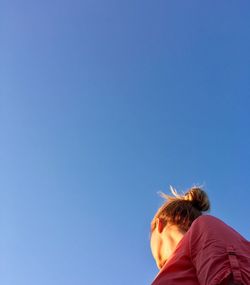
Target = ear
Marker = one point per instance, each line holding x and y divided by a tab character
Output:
159	225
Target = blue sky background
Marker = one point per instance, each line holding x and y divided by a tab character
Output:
103	104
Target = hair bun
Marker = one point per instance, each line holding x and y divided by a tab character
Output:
199	198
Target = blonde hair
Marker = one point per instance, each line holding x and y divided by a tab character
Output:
182	210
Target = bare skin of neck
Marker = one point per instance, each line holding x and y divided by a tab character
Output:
171	236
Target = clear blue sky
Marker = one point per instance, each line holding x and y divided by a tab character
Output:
104	103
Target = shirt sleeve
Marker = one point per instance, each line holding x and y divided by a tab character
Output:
208	252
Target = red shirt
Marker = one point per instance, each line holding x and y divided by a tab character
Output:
208	253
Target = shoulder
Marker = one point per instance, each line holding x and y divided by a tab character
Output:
207	220
207	225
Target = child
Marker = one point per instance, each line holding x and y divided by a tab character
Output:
194	249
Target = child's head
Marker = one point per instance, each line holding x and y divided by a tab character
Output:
174	218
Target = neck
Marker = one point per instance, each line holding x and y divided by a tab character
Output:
172	235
